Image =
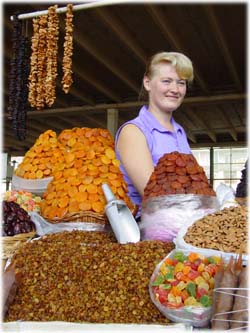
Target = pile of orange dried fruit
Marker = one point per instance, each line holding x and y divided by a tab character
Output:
88	162
41	158
177	173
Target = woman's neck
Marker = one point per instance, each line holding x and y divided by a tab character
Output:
164	118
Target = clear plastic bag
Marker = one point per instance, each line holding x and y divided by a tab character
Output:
192	315
36	186
44	227
226	196
163	216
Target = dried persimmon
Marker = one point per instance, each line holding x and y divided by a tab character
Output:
104	169
98	206
105	160
72	191
92	188
86	205
81	196
110	153
97	181
63	201
73	207
87	180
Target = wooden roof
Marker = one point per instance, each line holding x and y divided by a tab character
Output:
112	44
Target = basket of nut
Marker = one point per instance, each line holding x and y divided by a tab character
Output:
224	230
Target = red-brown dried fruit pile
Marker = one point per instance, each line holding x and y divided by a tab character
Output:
177	173
86	277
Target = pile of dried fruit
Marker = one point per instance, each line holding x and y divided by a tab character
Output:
177	173
224	230
80	160
15	220
89	162
27	200
41	158
86	277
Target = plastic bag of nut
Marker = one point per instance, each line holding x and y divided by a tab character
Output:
163	216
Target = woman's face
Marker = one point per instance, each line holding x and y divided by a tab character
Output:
165	88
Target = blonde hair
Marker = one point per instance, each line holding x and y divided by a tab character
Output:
182	64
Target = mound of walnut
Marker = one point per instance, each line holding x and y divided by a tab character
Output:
225	230
177	173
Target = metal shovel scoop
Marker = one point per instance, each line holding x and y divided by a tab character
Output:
121	219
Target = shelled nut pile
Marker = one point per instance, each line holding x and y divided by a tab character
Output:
86	276
225	230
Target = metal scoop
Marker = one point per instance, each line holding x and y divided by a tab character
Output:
120	217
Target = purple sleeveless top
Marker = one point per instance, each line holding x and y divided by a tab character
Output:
160	141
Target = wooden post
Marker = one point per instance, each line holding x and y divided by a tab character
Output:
112	120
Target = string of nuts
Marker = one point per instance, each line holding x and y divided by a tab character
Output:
43	71
51	55
41	63
33	63
68	50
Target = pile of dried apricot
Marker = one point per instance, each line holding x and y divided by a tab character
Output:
89	161
40	159
177	173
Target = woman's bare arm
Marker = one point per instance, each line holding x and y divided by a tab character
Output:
135	156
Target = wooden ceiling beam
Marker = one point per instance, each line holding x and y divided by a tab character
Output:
71	123
10	139
31	135
227	122
94	121
43	125
84	75
191	136
193	114
218	35
184	121
122	33
86	44
124	106
80	95
173	39
239	109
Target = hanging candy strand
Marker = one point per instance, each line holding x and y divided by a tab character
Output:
67	79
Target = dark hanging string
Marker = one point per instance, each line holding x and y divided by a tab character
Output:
18	86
